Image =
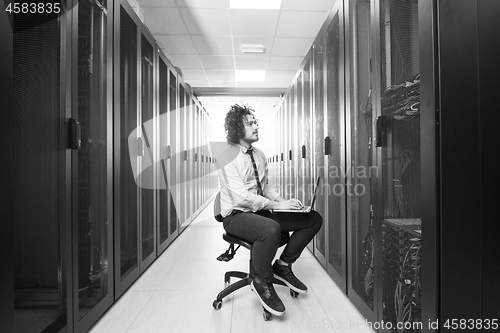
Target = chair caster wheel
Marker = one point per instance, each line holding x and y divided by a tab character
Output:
217	304
267	315
293	293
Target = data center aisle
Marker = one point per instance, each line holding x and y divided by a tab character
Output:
176	293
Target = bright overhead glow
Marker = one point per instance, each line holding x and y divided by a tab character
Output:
250	76
253	48
255	4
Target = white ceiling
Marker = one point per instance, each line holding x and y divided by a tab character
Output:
203	38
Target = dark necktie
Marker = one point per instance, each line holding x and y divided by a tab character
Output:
256	173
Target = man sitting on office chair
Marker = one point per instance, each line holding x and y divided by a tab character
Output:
247	202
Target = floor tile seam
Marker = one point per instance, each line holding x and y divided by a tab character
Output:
176	259
321	305
142	309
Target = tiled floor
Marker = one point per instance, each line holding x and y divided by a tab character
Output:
176	293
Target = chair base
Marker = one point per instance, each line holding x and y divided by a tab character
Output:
246	279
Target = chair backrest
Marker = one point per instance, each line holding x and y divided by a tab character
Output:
217	214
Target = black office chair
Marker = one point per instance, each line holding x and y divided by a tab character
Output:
246	278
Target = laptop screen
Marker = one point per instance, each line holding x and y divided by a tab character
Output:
315	191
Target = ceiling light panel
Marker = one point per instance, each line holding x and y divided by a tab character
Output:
255	4
250	75
253	48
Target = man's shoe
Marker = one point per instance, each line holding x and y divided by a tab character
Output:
267	296
285	274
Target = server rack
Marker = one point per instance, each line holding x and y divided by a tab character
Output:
90	210
91	161
318	82
173	164
41	217
336	169
166	209
127	191
388	243
361	256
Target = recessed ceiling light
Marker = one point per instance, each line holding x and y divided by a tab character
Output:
250	76
255	4
253	48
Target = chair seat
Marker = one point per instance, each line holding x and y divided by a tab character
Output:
285	236
236	240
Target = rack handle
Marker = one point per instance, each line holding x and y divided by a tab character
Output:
328	146
76	134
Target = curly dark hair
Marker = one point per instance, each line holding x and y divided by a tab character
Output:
235	122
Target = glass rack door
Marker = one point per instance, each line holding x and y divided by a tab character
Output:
92	186
173	161
337	189
128	148
319	140
398	142
360	158
41	187
148	168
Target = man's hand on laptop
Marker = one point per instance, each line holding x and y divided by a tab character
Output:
291	204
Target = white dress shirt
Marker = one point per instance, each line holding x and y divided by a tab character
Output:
238	186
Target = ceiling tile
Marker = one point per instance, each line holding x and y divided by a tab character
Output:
291	47
177	44
217	62
316	5
283	76
276	84
255	62
221	76
156	3
284	63
300	24
164	21
208	101
254	22
224	84
207	21
201	37
193	74
195	83
186	61
213	45
203	3
241	84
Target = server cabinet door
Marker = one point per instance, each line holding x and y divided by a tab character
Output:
183	156
319	145
292	152
336	169
41	169
190	157
398	214
173	161
286	147
92	164
308	160
299	130
148	169
360	234
165	206
129	146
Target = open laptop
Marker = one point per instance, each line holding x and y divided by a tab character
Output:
305	209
